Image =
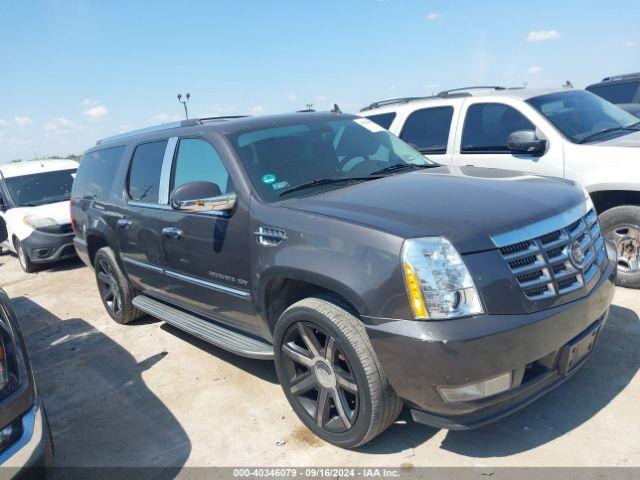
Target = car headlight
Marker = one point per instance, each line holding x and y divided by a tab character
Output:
438	283
36	221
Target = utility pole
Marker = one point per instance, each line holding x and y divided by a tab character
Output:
184	103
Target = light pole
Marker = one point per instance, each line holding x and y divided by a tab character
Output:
184	103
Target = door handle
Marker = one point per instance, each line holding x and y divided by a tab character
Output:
124	223
172	233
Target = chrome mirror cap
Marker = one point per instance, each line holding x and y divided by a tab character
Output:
221	203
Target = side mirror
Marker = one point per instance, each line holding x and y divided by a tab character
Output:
526	141
201	197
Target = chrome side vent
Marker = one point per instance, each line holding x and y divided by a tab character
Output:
269	236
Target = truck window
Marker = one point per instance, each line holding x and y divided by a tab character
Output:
95	173
617	92
427	130
144	173
488	125
197	160
383	119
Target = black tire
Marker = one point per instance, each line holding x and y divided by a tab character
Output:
346	369
23	258
115	291
621	227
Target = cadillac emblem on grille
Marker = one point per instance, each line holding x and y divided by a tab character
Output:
576	254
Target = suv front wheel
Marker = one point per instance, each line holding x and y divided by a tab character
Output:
330	373
621	227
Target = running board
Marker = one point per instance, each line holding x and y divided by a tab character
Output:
205	330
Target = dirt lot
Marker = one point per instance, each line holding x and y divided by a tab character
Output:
147	394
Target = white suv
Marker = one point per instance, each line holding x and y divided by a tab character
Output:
561	132
35	222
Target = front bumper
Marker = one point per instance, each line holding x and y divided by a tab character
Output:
32	450
47	247
418	356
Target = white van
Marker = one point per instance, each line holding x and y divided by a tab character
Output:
559	132
34	211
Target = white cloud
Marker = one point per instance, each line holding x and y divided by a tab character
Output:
320	98
292	96
96	113
3	122
256	109
630	43
21	122
165	117
90	102
433	16
59	125
535	70
541	35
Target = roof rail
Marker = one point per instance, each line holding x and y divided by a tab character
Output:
626	76
392	101
458	91
166	126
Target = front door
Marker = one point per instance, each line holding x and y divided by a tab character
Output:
482	140
139	226
207	253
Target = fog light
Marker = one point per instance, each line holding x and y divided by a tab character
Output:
474	391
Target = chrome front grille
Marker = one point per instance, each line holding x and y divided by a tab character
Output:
544	266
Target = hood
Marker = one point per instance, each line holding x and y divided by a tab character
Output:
467	205
58	211
631	139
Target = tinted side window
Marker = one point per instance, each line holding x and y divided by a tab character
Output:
96	172
618	92
384	119
488	125
428	129
198	160
144	173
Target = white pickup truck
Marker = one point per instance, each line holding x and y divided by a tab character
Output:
35	222
554	132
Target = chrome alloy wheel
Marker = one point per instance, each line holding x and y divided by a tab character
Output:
626	239
321	380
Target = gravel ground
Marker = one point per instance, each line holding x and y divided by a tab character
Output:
147	394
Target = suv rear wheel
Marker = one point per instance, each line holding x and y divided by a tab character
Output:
330	373
115	291
621	227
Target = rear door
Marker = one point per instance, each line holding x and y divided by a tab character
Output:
207	253
139	228
485	126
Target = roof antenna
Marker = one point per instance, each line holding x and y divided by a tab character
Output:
184	103
336	108
568	84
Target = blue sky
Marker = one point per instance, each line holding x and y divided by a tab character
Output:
74	71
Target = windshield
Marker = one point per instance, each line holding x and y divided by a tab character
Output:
579	114
40	188
280	158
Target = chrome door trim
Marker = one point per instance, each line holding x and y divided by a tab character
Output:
196	281
165	172
152	206
213	286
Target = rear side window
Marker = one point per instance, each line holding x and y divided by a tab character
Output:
95	173
197	160
384	119
144	172
488	125
427	130
617	92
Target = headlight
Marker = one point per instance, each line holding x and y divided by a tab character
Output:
36	221
438	283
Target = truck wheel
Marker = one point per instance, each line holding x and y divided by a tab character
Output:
23	258
621	227
330	373
115	291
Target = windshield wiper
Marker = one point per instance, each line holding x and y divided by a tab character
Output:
396	167
632	128
326	181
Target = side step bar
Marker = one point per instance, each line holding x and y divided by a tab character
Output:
205	330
